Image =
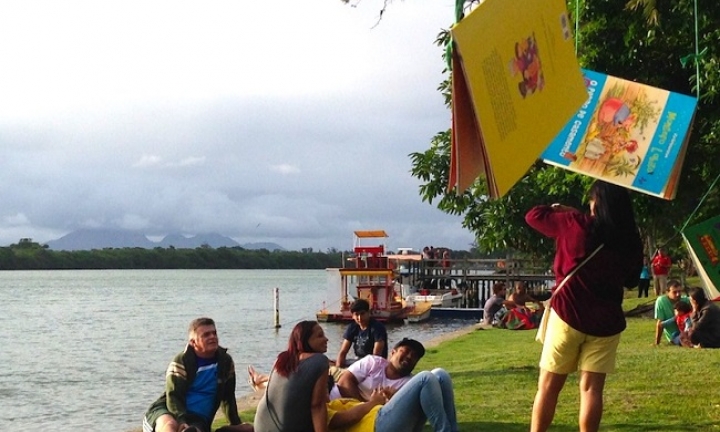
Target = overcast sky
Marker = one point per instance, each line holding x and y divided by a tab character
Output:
282	121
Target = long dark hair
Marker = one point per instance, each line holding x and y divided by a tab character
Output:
614	223
698	294
287	361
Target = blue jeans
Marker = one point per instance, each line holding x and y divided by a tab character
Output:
428	396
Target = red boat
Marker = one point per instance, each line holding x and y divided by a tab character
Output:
368	275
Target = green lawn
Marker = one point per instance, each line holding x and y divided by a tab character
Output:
656	388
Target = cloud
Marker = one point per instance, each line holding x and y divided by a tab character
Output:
18	219
132	222
179	117
285	169
147	161
188	162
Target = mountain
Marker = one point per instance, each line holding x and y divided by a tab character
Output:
213	240
87	239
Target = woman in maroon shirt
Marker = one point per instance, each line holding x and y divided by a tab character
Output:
586	319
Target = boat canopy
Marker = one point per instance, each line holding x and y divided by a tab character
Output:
370	233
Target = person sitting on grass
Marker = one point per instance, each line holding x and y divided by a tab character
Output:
422	399
519	316
705	331
495	303
297	388
360	379
664	311
371	372
681	320
521	297
364	334
198	381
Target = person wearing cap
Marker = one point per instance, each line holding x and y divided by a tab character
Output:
372	372
390	398
199	380
364	334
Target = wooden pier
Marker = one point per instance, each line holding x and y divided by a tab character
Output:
474	278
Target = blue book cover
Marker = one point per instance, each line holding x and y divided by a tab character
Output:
630	134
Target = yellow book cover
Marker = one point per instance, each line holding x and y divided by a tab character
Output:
523	79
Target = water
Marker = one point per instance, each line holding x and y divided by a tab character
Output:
84	348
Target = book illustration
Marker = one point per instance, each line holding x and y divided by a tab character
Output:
627	133
616	139
526	63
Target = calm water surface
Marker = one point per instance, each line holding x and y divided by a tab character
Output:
88	349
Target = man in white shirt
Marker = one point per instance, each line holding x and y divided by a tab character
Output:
372	372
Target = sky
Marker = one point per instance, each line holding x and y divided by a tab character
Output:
265	121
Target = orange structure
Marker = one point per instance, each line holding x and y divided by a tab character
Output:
368	276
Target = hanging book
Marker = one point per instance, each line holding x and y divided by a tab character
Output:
627	133
467	156
516	83
703	243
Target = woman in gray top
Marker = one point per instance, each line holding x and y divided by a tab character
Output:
296	393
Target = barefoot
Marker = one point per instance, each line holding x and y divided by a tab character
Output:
257	381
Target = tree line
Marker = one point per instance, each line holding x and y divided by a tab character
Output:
29	255
33	256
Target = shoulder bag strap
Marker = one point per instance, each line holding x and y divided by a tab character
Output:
569	275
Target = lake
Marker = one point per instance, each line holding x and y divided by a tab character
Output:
90	347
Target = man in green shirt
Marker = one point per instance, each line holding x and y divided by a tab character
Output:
664	310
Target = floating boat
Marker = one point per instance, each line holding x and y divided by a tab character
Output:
445	298
419	312
369	276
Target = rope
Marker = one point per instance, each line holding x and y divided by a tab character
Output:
697	55
459	14
577	26
697	207
712	185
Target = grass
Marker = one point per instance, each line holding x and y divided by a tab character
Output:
655	388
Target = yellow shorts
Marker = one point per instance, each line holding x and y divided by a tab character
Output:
566	350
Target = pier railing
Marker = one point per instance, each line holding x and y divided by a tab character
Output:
476	277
